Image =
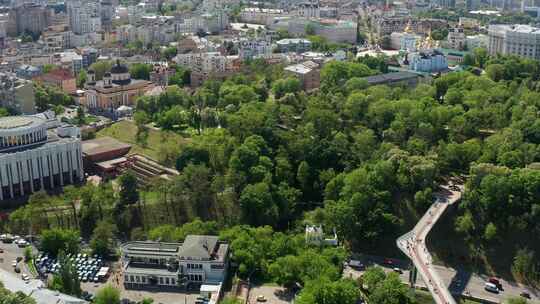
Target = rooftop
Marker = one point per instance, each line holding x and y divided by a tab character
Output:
517	28
101	145
390	77
198	246
59	74
13	122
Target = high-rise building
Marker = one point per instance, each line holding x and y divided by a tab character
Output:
309	9
30	18
521	40
107	14
84	17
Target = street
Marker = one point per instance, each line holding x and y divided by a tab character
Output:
10	254
459	282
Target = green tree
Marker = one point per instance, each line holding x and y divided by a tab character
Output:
495	71
169	52
28	255
100	68
55	240
129	193
81	117
107	295
284	86
47	68
140	70
7	297
67	280
310	29
516	301
372	277
480	56
490	232
525	266
258	206
324	291
81	78
390	290
102	242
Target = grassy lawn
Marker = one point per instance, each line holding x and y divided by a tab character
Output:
157	142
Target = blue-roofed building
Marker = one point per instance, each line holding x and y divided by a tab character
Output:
28	72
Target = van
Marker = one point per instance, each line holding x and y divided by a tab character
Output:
357	265
491	287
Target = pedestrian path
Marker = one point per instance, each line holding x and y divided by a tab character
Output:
413	244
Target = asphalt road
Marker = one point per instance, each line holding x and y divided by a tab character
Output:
10	254
459	282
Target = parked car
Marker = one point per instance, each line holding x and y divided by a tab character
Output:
491	287
357	265
388	261
398	270
261	298
525	294
495	281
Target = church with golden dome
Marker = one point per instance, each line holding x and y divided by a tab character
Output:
116	89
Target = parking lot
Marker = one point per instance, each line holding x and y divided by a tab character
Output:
116	279
88	267
271	294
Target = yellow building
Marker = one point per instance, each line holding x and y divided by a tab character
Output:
116	89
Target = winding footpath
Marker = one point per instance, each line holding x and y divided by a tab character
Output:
413	244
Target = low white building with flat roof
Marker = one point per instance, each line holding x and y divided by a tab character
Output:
200	259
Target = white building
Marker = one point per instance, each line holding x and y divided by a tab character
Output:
200	259
456	39
428	61
213	22
337	31
520	40
264	16
309	9
315	236
69	60
207	65
404	41
254	48
36	154
476	41
84	17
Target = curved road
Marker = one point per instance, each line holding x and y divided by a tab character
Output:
413	244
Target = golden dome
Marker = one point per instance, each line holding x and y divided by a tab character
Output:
408	28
